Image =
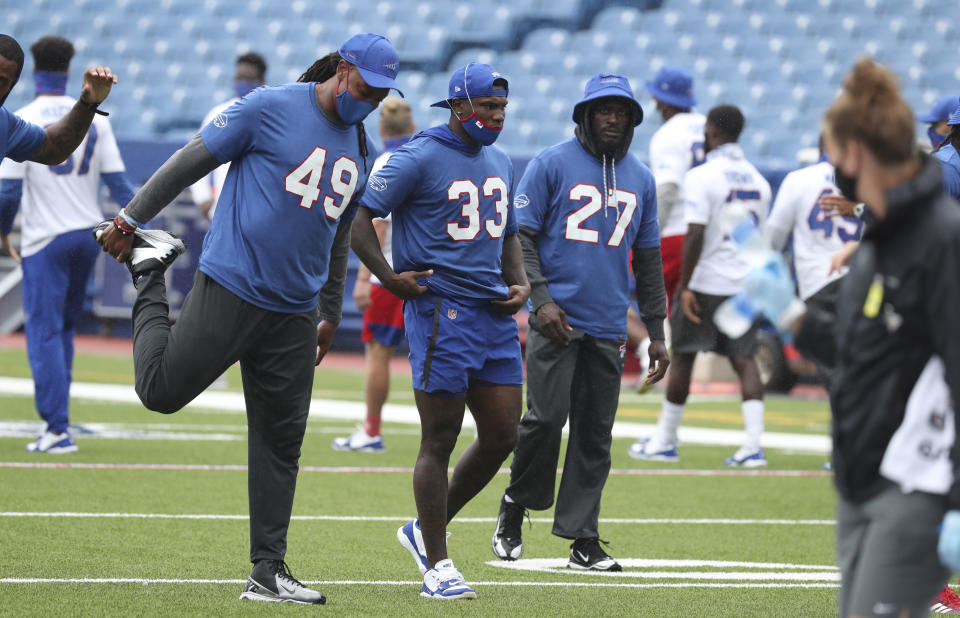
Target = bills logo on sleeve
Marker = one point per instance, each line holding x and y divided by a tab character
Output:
377	183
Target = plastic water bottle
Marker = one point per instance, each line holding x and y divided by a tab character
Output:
735	316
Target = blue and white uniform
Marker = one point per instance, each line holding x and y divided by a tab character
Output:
60	207
451	210
283	192
577	232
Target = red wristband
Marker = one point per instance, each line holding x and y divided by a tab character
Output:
123	226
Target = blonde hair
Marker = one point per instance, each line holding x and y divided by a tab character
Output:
396	119
871	110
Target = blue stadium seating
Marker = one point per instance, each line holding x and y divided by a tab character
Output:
755	53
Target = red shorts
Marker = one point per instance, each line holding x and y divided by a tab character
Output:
383	319
671	251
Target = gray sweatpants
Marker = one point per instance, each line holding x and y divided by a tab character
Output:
276	351
887	553
580	380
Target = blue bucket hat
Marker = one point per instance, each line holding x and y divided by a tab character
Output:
954	117
375	59
605	85
473	80
673	86
941	109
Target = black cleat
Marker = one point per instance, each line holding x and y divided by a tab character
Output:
272	582
507	543
587	555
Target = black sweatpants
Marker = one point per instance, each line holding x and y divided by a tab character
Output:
276	351
580	380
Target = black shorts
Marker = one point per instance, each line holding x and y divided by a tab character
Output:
689	338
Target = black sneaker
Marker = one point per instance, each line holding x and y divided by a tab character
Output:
271	581
152	249
507	544
587	555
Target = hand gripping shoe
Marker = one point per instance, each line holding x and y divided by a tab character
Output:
152	249
271	581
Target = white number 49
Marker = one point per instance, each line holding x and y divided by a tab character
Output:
305	182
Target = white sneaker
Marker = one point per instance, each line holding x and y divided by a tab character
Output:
444	581
53	443
647	449
359	441
747	457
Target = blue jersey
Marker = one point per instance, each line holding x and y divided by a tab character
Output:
950	163
584	246
294	175
19	140
451	211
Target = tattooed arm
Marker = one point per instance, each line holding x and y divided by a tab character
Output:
65	135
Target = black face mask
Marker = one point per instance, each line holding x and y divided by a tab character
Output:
846	184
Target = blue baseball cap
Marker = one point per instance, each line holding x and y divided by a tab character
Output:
673	86
941	110
374	57
605	85
472	81
954	117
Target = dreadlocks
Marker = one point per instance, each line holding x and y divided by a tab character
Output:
322	70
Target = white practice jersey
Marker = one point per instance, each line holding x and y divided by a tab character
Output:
816	237
387	245
62	198
210	185
724	182
675	149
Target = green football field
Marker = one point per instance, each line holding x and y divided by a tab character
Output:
150	516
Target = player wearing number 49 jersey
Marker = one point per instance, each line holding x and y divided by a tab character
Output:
299	159
460	268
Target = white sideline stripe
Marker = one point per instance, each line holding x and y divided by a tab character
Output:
66	465
397	413
350	582
406	518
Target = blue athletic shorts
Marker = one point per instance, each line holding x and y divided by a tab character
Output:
455	345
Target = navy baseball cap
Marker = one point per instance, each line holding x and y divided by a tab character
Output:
673	86
374	57
605	85
941	110
954	117
472	81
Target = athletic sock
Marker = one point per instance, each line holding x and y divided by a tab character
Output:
372	426
753	421
670	416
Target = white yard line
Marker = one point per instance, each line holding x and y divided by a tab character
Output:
405	518
406	414
350	582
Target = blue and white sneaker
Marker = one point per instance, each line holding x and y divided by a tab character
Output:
747	457
359	441
53	443
411	538
645	448
444	581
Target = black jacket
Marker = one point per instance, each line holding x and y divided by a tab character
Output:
881	344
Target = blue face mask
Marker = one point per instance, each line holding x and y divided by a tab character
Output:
352	110
936	137
480	132
243	87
